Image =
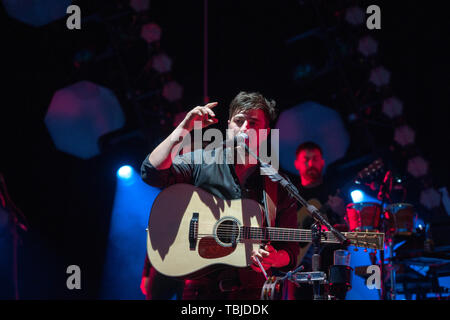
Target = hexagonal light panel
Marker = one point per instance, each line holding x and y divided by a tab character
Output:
36	13
79	114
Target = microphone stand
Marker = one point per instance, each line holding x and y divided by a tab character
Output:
316	227
293	191
383	195
316	235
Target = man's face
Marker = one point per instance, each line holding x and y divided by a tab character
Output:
310	164
252	122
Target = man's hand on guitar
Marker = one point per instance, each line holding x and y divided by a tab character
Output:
269	257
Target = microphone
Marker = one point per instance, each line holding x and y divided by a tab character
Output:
238	139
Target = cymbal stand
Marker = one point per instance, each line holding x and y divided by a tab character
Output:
316	235
383	195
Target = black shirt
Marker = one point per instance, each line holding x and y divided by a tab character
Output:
318	194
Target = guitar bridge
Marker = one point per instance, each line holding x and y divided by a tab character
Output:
193	231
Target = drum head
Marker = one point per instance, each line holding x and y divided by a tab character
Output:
363	216
400	219
395	207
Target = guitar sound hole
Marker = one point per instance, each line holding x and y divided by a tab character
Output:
228	232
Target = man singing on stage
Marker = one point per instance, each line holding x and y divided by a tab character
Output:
229	180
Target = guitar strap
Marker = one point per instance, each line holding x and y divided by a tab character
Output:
270	194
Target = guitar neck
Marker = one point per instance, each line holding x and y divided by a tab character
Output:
284	234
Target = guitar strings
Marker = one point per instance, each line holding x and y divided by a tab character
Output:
212	239
274	234
261	235
229	230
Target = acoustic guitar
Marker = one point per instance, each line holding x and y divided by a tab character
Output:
191	231
368	173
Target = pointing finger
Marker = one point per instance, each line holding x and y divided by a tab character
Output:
209	111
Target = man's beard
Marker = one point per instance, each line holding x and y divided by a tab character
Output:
313	173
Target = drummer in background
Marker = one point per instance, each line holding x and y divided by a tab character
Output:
318	191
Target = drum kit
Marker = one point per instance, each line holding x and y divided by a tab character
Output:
397	277
396	221
408	247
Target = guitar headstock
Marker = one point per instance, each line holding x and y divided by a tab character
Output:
367	240
372	171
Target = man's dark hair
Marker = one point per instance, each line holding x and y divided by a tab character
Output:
308	145
245	101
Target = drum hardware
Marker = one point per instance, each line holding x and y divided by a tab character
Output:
272	288
396	220
340	275
340	280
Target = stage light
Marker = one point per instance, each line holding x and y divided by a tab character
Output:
311	121
379	76
79	115
125	172
172	91
354	16
430	198
404	135
151	32
140	5
36	13
392	107
417	166
125	248
357	196
162	63
367	46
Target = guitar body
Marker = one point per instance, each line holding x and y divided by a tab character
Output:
189	230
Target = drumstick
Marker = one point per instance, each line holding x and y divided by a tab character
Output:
262	268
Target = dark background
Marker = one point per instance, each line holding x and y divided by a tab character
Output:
67	201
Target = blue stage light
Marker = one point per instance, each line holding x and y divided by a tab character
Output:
125	172
357	196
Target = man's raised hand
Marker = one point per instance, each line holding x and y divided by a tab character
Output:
202	114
